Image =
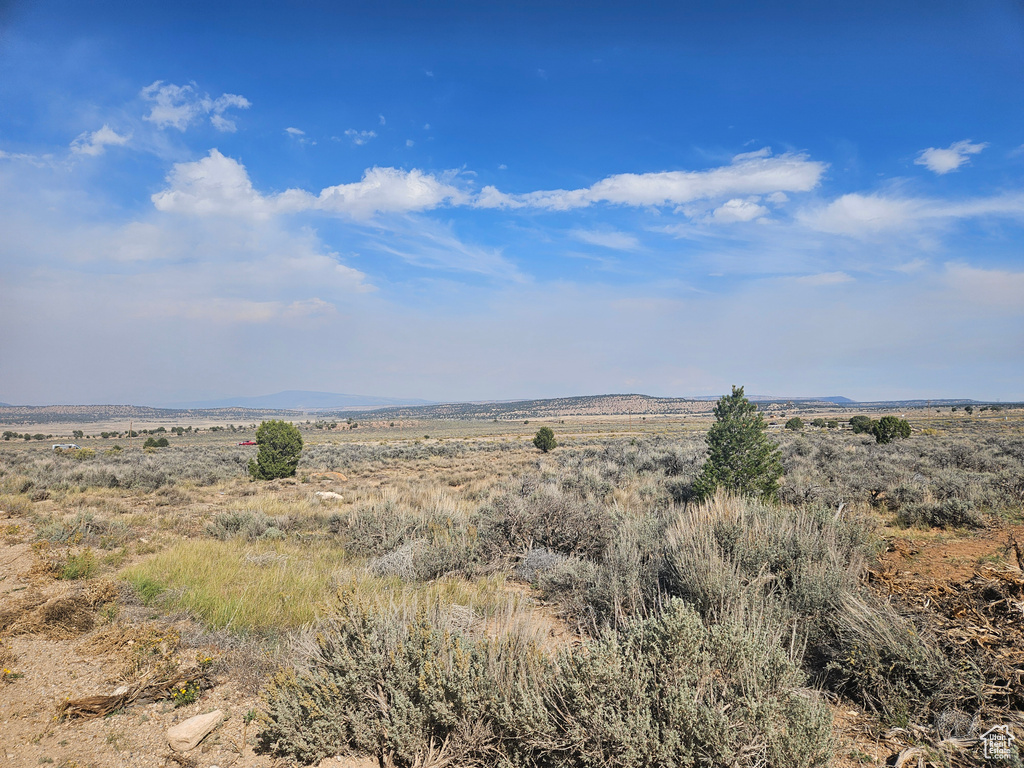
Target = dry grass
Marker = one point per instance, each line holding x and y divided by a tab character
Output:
267	587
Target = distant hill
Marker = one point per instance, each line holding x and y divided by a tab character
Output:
587	405
55	414
301	400
559	407
837	399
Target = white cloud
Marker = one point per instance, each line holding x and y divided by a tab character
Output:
96	142
359	138
381	120
38	161
619	241
294	132
752	173
410	143
389	190
867	215
738	210
857	214
943	161
178	106
215	185
221	185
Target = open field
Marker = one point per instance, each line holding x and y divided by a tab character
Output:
491	604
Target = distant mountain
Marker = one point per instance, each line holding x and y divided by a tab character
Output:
301	400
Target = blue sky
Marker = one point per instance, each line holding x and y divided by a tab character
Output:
459	201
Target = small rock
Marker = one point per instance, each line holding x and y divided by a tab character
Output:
326	495
187	735
121	690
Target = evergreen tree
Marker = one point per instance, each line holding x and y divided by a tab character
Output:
544	439
280	447
741	458
861	424
888	428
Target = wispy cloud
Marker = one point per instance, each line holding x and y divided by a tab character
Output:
825	278
178	106
607	238
860	215
738	210
942	161
95	143
359	138
426	243
753	173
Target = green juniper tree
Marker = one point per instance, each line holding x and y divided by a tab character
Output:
545	439
741	458
280	447
889	428
861	424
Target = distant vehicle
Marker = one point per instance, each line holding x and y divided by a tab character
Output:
69	447
248	442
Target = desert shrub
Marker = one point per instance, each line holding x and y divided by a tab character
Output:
537	563
249	525
622	583
728	547
83	528
802	567
882	661
401	692
400	562
346	456
542	515
673	690
795	424
681	491
667	690
445	553
949	513
377	528
201	465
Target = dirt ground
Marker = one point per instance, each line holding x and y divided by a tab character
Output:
54	657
